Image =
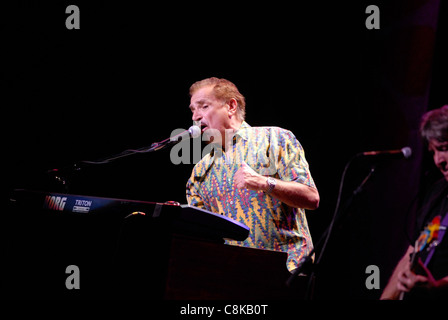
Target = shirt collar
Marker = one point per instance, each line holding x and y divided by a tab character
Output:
242	132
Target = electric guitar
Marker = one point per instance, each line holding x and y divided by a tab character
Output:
426	240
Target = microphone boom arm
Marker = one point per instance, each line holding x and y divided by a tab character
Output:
193	131
61	173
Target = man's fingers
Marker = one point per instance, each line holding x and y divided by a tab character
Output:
401	287
408	280
402	283
420	280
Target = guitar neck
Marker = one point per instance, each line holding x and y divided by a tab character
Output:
413	264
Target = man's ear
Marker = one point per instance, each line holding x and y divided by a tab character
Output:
232	107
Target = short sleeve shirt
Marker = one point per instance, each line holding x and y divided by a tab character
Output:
270	151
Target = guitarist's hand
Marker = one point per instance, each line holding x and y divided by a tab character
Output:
407	279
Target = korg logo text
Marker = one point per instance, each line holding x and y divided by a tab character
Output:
54	203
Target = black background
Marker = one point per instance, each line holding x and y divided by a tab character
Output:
122	81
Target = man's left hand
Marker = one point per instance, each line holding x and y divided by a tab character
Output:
407	279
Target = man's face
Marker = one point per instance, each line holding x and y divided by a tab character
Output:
212	113
439	151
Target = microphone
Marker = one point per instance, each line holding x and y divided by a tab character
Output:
405	152
192	132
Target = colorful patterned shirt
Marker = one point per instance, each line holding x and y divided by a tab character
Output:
270	151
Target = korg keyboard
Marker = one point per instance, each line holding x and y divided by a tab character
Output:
185	218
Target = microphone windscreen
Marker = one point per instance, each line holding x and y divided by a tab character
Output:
195	131
407	152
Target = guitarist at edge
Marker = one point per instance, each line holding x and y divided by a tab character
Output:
422	273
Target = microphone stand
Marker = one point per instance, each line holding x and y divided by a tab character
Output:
156	146
306	264
60	174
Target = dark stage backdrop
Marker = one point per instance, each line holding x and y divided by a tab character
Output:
121	81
